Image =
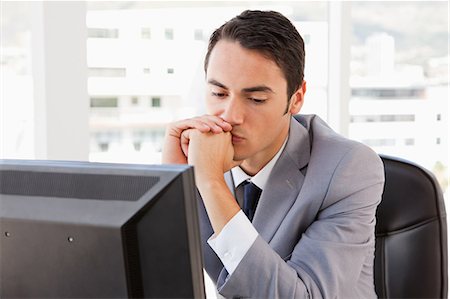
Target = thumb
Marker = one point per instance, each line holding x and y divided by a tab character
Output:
184	141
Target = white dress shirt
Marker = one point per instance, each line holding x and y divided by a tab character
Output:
238	235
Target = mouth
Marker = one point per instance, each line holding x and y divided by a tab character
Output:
235	139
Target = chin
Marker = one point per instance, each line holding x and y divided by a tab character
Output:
239	157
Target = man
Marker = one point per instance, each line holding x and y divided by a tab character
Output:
312	232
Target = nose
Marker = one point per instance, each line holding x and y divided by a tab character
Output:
233	112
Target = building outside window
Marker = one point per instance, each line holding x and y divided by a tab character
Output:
106	72
103	33
168	33
176	67
399	91
198	34
156	102
398	73
109	102
146	33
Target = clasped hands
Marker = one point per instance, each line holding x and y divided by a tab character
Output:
204	142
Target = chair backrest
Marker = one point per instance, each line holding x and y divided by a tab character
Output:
411	234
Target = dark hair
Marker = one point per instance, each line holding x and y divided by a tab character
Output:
273	35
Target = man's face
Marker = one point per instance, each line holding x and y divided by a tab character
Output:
249	91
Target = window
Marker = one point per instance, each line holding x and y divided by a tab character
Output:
103	33
198	34
399	89
168	33
106	72
380	142
155	102
105	139
146	33
387	142
409	141
137	145
104	102
382	118
156	68
411	50
146	139
307	38
134	101
388	93
17	121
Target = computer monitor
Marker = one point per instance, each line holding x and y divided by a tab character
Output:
93	230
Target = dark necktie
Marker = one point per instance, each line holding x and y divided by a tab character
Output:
251	196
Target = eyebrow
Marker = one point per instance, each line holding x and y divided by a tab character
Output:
217	83
258	88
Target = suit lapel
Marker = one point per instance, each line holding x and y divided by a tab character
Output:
284	184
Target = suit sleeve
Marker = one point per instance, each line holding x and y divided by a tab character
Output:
332	255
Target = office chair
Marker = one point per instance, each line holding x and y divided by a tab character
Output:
411	234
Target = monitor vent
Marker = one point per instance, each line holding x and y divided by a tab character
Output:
75	185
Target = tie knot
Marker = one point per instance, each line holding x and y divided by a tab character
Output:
251	189
251	197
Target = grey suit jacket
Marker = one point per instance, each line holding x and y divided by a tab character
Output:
315	219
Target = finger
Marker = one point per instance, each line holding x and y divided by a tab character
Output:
212	125
215	123
205	123
192	123
218	121
184	141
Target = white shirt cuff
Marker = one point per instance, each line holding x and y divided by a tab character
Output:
233	242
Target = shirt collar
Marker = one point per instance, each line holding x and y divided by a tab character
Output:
259	179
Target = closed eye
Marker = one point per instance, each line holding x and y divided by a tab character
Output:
218	94
257	101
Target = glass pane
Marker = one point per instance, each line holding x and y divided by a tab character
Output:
155	51
399	81
16	94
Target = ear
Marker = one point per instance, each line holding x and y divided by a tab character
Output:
297	98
